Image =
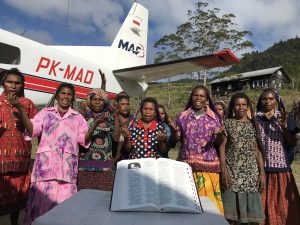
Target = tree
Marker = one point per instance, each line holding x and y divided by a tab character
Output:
205	32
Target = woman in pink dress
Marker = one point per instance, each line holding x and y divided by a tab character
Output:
55	168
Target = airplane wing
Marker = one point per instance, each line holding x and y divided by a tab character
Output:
162	70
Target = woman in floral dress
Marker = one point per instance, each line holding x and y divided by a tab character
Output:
198	126
243	176
95	162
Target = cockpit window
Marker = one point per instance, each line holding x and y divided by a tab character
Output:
9	54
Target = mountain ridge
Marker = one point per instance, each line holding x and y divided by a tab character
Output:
284	53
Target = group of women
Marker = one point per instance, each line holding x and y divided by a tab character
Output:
240	159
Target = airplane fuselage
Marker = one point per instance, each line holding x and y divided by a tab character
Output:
45	67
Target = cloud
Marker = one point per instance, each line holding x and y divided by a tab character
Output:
168	14
39	36
79	15
269	21
164	18
161	16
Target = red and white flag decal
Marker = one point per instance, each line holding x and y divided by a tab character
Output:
136	22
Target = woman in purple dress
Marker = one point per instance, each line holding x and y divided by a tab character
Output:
198	126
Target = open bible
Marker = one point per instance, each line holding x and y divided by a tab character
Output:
150	184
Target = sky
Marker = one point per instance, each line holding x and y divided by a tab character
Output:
96	22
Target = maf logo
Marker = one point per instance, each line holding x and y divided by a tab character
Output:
139	50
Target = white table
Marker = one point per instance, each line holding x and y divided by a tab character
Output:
91	207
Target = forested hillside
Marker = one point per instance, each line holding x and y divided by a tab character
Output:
285	53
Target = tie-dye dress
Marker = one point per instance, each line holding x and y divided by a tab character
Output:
55	168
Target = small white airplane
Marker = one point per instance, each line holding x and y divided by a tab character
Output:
123	63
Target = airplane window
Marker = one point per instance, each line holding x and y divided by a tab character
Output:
9	54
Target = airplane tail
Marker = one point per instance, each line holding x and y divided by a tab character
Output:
130	44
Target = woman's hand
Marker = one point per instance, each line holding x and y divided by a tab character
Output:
282	119
219	130
13	99
172	125
125	132
103	78
161	136
261	182
102	118
114	162
225	179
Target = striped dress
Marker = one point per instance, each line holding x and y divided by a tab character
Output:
281	197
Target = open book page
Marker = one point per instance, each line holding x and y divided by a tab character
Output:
154	185
135	186
176	187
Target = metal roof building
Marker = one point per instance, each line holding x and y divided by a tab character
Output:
271	77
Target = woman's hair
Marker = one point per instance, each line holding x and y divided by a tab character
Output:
154	101
252	117
58	90
167	119
210	101
100	92
123	93
13	71
120	97
259	106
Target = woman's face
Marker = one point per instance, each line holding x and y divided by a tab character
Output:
97	103
199	98
148	112
220	110
162	114
124	107
268	101
240	108
65	98
12	84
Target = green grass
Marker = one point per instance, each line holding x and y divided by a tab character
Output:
180	91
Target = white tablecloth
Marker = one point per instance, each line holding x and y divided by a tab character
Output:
91	207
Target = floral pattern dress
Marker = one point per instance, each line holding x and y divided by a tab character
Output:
95	162
15	155
198	150
101	145
197	135
240	155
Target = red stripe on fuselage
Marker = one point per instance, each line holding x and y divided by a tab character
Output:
49	86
